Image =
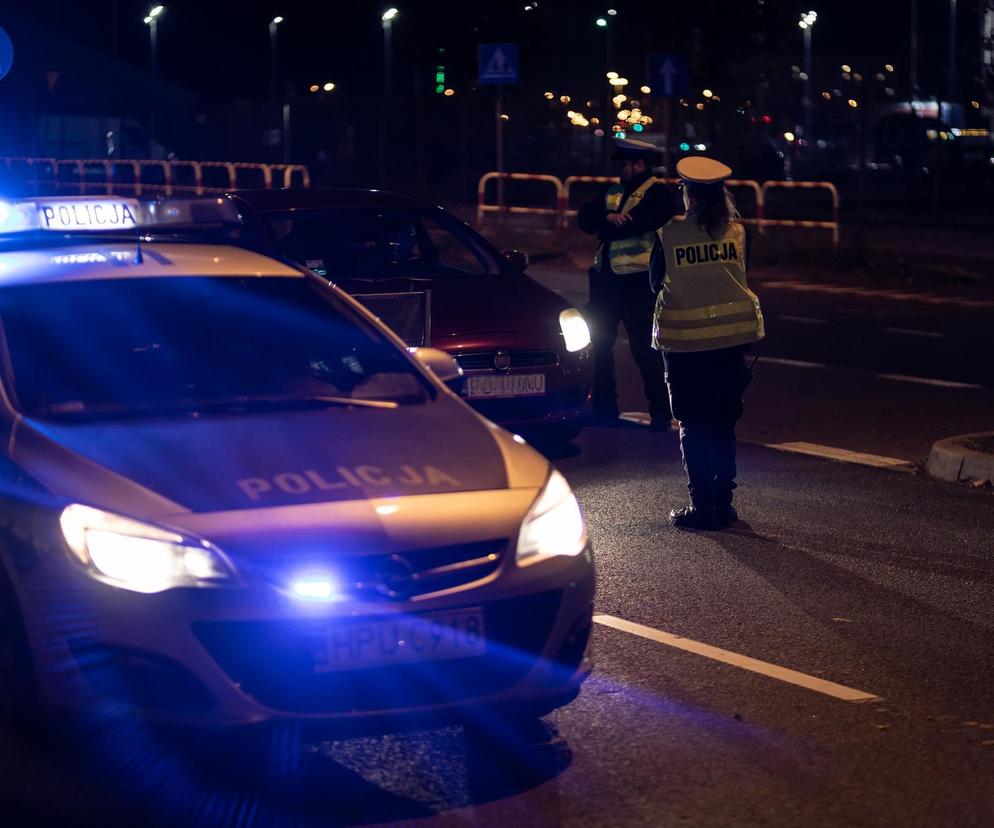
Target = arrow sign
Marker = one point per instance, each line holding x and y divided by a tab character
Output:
669	74
498	63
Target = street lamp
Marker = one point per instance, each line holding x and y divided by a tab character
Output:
273	56
152	20
807	23
386	19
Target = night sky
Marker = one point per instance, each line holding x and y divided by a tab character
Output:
220	49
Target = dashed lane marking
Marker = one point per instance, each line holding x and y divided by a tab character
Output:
872	293
914	332
827	688
803	320
843	455
938	383
934	381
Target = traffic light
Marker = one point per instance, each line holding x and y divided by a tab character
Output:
439	80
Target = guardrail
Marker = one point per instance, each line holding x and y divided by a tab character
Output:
482	206
832	225
117	176
564	190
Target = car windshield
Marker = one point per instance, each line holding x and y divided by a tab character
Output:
144	347
377	244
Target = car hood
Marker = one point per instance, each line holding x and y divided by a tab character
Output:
473	305
206	464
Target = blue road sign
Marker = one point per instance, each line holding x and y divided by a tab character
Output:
498	63
669	75
6	53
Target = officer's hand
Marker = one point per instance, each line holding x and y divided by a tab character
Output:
617	219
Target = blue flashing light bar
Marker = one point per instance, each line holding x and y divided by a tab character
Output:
86	214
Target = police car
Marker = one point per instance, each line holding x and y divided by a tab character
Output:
525	351
230	495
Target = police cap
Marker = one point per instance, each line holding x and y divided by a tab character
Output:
699	169
629	149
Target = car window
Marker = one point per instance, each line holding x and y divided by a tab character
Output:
127	347
370	244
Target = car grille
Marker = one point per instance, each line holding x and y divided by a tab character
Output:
484	360
274	662
372	577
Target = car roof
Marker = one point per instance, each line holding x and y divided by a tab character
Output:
117	260
317	198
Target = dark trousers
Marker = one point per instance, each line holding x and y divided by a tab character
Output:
628	300
706	396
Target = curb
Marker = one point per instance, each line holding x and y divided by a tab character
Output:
950	460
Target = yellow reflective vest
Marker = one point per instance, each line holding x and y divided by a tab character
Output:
705	302
629	255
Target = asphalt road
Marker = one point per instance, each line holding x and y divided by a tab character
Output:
732	702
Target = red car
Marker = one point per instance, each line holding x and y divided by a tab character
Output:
524	350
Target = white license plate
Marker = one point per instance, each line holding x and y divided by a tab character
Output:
402	639
505	385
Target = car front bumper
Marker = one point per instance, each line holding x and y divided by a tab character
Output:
222	657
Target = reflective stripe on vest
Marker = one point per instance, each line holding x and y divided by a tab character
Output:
629	255
705	302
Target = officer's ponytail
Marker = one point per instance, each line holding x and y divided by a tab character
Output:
713	207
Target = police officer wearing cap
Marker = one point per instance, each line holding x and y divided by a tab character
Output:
705	320
625	219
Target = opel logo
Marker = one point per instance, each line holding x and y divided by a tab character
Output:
502	360
395	578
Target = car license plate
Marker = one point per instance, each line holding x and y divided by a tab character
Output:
505	385
402	639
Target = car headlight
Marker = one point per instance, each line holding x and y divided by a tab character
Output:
554	524
139	556
575	329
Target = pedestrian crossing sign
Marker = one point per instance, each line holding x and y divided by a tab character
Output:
498	63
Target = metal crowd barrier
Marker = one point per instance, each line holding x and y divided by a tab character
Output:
482	206
116	176
760	220
832	225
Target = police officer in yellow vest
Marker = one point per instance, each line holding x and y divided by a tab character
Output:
705	320
625	220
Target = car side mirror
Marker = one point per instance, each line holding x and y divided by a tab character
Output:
442	366
517	259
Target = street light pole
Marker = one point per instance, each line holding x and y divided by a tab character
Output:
951	91
807	23
274	57
152	21
387	20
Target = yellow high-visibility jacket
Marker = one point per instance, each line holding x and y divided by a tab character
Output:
629	255
705	302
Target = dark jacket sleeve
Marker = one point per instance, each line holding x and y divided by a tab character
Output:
652	212
593	216
657	266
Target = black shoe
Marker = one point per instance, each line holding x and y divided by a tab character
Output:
725	516
690	517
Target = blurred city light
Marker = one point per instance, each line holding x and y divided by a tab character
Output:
389	15
328	86
550	95
612	75
789	137
277	20
449	92
645	90
807	20
314	88
707	93
853	103
601	22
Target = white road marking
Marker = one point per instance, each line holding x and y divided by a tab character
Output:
914	332
804	320
791	363
784	674
939	383
844	455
